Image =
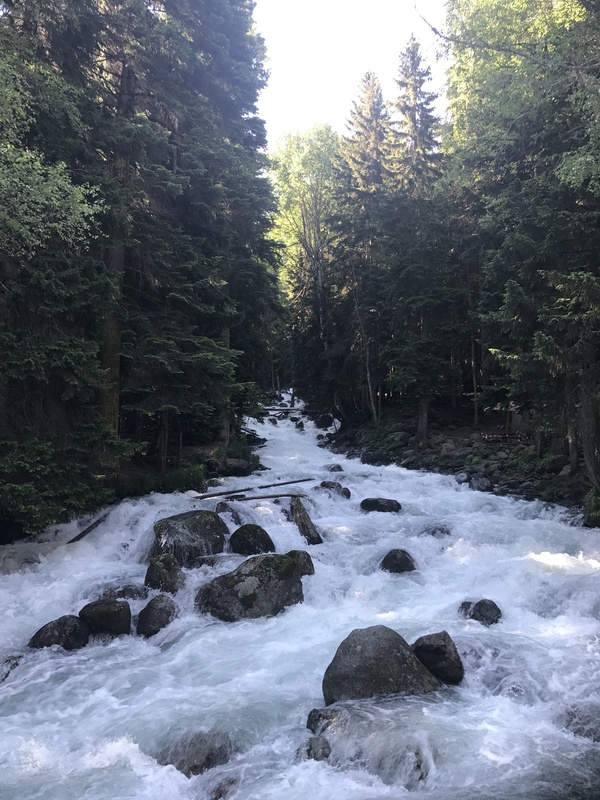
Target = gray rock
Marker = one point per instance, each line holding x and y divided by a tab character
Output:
448	448
226	508
190	536
128	592
484	611
9	663
436	530
334	468
107	616
375	661
164	573
462	477
337	488
260	587
438	653
481	483
250	540
322	719
69	632
300	425
304	562
317	748
380	504
398	561
583	719
237	467
194	753
155	616
272	420
304	522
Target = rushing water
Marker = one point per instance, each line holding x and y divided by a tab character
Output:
86	724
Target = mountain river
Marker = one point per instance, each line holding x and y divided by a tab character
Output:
86	725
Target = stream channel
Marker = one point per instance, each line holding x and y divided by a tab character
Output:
86	725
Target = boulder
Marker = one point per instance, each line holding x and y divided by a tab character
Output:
130	591
336	488
484	611
164	573
317	748
300	425
260	587
250	540
398	561
462	477
226	508
438	653
69	632
107	616
190	536
481	483
237	467
194	753
155	616
324	421
323	719
435	530
304	562
304	522
334	468
380	504
272	420
375	661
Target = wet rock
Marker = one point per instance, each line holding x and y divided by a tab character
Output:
438	531
226	508
398	561
484	611
583	719
294	418
164	573
130	591
250	540
237	467
155	616
324	421
107	616
334	468
190	536
223	789
322	719
8	664
481	483
337	488
300	426
462	477
304	522
304	562
196	752
375	661
380	504
438	653
317	748
260	587
272	420
69	632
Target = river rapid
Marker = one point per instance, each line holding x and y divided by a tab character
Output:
87	724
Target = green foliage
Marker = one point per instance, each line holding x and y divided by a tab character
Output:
592	508
138	483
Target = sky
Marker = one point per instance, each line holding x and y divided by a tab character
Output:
319	50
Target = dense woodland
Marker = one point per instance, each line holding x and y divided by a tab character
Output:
158	271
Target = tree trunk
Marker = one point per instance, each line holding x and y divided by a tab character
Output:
573	448
590	436
163	441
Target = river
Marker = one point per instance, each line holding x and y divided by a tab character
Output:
87	724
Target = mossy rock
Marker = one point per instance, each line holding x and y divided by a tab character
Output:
190	536
251	540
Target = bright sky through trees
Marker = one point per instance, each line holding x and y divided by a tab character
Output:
319	51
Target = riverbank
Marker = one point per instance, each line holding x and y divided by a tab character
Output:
485	457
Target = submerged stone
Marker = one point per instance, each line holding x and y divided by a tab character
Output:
380	504
70	632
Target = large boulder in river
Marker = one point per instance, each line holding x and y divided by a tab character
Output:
260	587
190	536
438	653
69	632
398	561
107	616
155	616
484	611
194	753
375	661
380	504
305	525
337	488
164	573
251	540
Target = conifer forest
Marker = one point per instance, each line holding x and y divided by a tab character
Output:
161	272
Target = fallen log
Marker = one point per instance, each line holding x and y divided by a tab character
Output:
261	496
89	528
252	488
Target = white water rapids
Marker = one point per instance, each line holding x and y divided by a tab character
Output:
86	724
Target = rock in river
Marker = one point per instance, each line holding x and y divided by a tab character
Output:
190	536
69	632
380	504
251	540
438	653
375	661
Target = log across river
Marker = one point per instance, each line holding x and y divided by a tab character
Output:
523	723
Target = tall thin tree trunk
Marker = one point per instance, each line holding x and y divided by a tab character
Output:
423	421
163	441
